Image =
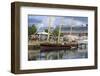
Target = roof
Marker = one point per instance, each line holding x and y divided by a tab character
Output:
42	33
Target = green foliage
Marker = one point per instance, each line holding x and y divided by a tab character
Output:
32	29
46	30
56	31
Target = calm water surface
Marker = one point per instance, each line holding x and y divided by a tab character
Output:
59	54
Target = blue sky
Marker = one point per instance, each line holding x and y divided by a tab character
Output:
42	21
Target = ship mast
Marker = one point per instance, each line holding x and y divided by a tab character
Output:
71	27
59	33
49	25
62	21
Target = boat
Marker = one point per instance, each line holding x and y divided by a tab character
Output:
52	47
57	46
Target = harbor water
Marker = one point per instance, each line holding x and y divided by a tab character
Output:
58	54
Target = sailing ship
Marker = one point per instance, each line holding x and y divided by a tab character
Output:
57	46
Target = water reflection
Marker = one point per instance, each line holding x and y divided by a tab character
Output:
59	54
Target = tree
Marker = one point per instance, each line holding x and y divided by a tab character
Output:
56	31
32	29
46	30
29	30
